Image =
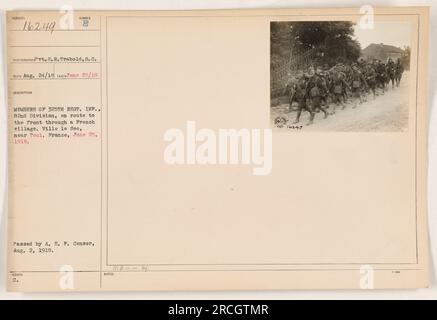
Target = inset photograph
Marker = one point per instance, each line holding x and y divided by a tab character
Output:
339	76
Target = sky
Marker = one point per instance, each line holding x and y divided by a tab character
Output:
396	33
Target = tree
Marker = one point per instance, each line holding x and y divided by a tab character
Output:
331	39
297	45
324	42
280	42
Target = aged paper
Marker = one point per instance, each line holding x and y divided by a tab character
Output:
217	150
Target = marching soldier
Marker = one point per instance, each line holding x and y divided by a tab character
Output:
399	71
290	91
391	72
371	79
357	82
380	75
316	92
312	89
301	95
338	86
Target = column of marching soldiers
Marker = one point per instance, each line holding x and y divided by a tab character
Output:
316	89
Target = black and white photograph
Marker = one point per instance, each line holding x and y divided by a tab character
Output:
220	159
340	76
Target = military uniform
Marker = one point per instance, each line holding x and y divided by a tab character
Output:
316	100
338	87
399	70
371	79
391	72
357	81
301	96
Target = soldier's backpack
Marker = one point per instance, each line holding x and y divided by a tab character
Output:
315	91
299	94
300	91
355	84
338	89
